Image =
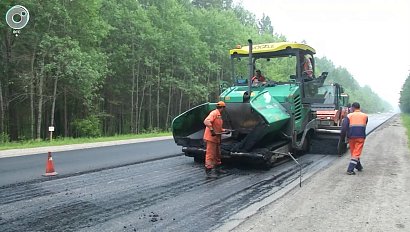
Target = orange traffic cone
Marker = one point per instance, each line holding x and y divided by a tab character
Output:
50	166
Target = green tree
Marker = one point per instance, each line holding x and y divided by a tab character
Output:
60	42
265	25
369	100
405	96
218	4
128	66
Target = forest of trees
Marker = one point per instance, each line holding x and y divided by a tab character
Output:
405	96
97	68
370	102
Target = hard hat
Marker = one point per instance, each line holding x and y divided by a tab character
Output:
221	104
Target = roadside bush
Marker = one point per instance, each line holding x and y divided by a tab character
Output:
406	122
4	138
88	127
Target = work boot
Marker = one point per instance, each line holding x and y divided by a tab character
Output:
359	166
211	173
220	170
351	167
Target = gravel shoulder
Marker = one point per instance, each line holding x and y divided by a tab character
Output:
377	199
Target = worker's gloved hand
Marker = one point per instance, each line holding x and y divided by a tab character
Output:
213	132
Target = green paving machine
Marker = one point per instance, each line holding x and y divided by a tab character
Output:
268	119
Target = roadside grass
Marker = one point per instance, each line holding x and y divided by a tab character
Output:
406	122
69	141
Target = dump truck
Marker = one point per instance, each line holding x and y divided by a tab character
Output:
266	120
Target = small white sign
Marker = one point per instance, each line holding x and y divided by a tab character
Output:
50	128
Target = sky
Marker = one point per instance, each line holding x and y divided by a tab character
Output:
370	38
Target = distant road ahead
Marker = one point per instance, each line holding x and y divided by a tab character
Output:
376	120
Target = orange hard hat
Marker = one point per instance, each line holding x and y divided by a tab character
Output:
221	103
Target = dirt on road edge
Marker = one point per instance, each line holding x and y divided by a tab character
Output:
377	199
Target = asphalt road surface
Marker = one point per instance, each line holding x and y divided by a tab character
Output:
157	189
31	167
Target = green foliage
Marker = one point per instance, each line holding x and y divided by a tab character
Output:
405	117
128	66
69	140
265	25
405	96
218	4
88	127
370	102
4	138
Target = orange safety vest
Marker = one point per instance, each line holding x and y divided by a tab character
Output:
214	120
357	122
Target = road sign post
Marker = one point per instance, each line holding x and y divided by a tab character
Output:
51	129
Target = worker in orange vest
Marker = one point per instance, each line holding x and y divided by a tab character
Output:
354	125
212	138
